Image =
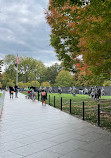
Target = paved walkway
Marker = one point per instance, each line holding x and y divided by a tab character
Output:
28	129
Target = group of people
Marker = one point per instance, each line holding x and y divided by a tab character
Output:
72	90
12	90
93	92
32	94
96	93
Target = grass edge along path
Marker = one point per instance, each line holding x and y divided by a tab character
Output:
0	104
90	107
0	95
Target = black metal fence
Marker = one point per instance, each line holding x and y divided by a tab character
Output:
99	114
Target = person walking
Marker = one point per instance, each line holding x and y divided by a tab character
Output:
28	90
43	96
38	95
16	91
11	91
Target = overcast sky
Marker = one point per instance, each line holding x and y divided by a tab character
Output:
23	30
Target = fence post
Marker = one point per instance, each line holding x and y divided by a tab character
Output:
49	99
54	101
61	103
70	105
98	115
83	110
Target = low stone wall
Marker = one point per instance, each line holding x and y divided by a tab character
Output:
2	101
107	89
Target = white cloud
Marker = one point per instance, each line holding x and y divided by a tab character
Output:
52	63
23	29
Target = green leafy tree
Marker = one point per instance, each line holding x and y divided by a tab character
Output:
64	79
26	67
84	77
107	83
28	84
10	70
10	59
11	73
60	3
52	72
21	85
4	79
87	80
45	84
78	30
11	84
31	69
95	30
35	84
63	39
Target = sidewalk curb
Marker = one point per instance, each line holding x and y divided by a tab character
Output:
2	102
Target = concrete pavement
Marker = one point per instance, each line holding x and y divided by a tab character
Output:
30	130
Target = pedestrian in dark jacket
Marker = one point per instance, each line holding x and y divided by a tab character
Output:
16	91
38	95
11	91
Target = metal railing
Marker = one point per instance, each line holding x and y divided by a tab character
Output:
98	114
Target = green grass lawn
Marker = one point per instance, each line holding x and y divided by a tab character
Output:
77	107
25	93
0	94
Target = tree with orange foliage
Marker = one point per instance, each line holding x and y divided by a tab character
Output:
64	37
95	31
84	77
78	30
